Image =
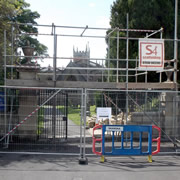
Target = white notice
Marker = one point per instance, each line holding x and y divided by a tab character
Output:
103	113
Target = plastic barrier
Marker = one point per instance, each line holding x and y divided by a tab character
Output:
131	149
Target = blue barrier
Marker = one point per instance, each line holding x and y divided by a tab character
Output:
131	150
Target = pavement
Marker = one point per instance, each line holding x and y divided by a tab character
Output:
56	167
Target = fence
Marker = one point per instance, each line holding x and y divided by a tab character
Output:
36	120
140	108
61	120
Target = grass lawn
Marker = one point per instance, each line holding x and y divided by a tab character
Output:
40	121
74	114
93	110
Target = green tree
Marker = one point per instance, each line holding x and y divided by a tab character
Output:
152	14
28	17
8	10
17	11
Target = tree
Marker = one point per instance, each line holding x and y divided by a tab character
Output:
28	17
8	9
17	11
152	14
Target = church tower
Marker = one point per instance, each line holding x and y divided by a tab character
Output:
81	56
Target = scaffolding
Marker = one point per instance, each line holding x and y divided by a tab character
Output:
98	73
107	73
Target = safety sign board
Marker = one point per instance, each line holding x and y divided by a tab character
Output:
114	128
103	113
151	54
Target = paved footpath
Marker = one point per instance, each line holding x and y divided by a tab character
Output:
53	167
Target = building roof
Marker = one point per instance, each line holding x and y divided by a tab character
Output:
79	74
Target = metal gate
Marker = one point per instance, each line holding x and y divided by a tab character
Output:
52	117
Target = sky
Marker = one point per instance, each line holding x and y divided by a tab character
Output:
81	13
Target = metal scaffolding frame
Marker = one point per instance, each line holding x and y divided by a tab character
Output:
109	37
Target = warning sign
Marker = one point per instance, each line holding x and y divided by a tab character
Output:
151	54
103	113
114	128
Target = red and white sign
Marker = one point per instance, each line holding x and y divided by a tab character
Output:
151	54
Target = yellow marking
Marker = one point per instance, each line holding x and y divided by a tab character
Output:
102	159
150	158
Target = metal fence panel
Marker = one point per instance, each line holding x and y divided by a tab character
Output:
36	120
52	120
144	108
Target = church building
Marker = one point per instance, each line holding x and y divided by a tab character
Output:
81	68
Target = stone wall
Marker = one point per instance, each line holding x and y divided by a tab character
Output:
147	118
27	104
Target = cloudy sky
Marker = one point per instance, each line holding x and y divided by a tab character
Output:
73	13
